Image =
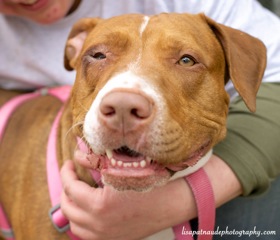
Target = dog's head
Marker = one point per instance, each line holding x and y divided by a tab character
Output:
149	92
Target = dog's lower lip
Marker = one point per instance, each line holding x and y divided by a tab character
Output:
133	175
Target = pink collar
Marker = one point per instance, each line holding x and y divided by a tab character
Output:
198	181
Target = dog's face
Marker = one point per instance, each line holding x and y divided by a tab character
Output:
149	94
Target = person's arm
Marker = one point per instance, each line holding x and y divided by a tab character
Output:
251	147
108	214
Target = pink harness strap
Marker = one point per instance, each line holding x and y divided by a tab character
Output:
205	201
7	109
53	172
5	229
54	182
5	113
198	181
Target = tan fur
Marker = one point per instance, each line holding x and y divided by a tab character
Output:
195	98
194	95
24	192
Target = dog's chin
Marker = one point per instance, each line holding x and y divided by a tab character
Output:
136	180
125	169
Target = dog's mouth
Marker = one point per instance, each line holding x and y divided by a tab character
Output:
125	157
127	169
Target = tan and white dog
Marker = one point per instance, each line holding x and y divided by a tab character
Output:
148	100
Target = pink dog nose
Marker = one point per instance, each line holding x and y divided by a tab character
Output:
125	111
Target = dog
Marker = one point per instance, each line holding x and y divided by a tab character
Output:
148	101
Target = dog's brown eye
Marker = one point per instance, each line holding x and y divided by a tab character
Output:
99	56
186	61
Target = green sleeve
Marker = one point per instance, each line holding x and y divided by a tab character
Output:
252	145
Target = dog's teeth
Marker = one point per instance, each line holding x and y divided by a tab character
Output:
127	164
119	163
143	163
148	159
109	153
113	162
135	164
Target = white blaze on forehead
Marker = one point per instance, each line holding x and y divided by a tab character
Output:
144	24
134	65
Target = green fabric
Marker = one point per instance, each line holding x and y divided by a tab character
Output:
252	145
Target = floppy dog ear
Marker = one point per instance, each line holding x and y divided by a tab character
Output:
245	58
76	40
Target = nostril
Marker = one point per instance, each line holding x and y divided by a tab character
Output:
141	113
134	112
107	110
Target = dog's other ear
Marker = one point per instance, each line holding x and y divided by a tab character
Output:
76	40
245	59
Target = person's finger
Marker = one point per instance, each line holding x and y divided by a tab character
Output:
72	186
81	222
82	194
83	233
67	206
72	212
68	172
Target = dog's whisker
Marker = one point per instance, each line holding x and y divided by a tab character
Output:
83	107
83	140
78	124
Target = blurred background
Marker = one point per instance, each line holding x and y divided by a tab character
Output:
273	5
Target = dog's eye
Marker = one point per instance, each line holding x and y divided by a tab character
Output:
99	56
187	61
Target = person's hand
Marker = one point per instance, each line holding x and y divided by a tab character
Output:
105	213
